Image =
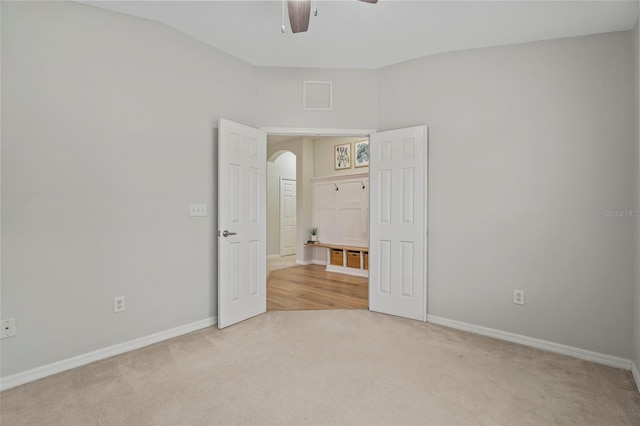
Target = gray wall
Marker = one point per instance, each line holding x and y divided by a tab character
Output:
636	92
108	126
108	135
279	98
529	145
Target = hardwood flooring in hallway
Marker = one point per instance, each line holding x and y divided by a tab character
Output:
310	287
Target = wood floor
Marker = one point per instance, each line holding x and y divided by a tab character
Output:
311	287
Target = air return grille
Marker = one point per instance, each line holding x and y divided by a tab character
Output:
317	95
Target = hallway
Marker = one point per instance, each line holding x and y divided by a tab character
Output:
310	287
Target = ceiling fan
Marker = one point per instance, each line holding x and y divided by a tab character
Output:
300	11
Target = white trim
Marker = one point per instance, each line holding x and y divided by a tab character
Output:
635	374
311	262
77	361
347	270
354	176
273	256
316	131
425	222
609	360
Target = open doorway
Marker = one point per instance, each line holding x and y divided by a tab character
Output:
315	279
281	210
397	283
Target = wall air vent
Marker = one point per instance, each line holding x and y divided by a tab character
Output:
317	95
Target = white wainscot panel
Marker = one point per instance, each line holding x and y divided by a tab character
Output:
349	223
350	192
326	222
325	195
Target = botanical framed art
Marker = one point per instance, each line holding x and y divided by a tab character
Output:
342	156
361	153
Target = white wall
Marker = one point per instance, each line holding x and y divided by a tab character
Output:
108	128
323	156
279	98
284	166
529	145
636	92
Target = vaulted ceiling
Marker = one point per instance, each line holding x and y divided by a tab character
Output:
354	34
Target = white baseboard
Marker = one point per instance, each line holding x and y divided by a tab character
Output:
609	360
311	262
636	374
77	361
348	271
273	256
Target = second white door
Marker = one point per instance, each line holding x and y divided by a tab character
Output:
287	216
398	236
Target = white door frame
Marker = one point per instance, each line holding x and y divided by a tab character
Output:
301	131
293	131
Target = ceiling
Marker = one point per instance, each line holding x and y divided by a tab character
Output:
353	34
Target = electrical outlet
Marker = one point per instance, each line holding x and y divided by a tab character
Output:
118	304
518	297
197	209
7	328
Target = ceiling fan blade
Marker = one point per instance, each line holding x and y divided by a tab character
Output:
370	1
299	13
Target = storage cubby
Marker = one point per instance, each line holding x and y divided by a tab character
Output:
337	257
353	259
350	260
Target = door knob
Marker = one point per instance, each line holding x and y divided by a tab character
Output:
227	233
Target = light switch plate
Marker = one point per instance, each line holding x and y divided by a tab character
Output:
197	209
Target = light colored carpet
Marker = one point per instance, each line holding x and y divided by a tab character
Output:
330	367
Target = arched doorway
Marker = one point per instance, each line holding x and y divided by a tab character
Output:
281	204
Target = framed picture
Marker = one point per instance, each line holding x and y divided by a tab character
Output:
342	156
361	153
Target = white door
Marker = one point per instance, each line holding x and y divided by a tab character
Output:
398	240
287	216
242	235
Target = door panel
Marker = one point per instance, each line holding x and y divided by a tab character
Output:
242	155
398	241
287	217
